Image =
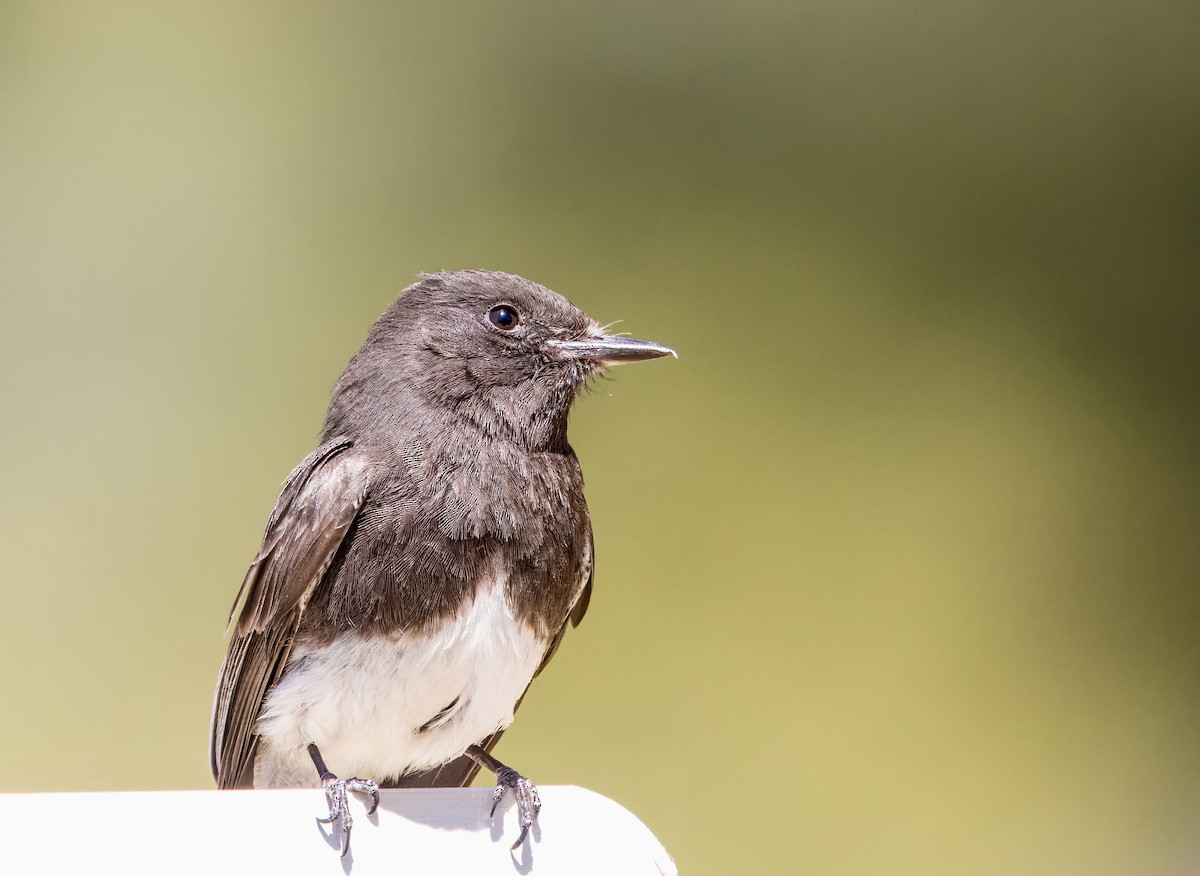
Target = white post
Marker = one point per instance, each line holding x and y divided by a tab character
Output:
268	832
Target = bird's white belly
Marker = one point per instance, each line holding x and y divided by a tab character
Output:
363	699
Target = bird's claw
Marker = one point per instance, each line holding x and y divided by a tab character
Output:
337	793
528	801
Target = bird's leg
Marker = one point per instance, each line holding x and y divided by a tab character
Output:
336	792
528	802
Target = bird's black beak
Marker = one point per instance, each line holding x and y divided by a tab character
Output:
612	350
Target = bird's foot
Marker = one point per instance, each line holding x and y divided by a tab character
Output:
337	793
529	804
528	801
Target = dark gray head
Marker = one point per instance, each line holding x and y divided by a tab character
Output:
490	349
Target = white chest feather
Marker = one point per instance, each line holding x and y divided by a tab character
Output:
382	705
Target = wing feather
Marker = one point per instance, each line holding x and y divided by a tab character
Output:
317	507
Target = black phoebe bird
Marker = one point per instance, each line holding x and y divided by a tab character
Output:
421	565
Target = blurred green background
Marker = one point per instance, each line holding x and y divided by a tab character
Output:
897	565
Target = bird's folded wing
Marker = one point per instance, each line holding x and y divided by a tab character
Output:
579	607
315	510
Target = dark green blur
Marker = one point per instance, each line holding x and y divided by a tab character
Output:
897	565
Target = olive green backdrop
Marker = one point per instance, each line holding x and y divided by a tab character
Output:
897	565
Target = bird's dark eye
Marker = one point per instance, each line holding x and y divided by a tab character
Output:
504	317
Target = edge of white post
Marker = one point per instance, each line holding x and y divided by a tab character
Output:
443	830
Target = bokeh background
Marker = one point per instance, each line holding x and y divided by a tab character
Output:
897	565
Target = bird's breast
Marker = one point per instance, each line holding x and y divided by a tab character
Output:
379	705
423	540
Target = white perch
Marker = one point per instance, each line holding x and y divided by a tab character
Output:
265	832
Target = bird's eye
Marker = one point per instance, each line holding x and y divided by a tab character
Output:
504	317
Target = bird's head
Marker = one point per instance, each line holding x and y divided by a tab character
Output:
496	349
